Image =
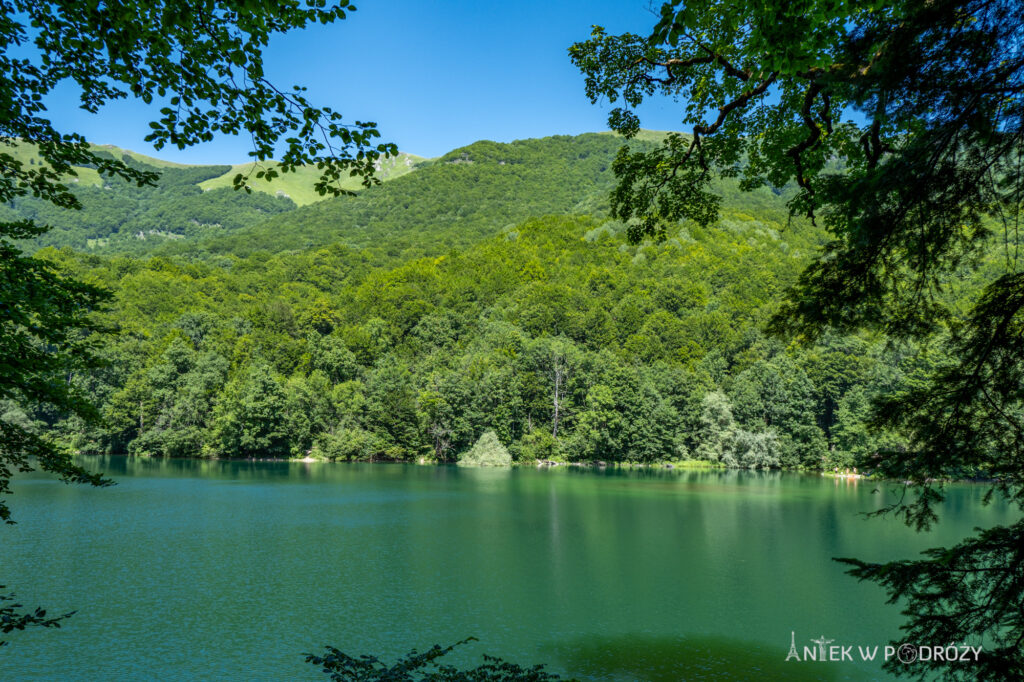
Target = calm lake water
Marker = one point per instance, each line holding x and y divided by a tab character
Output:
229	570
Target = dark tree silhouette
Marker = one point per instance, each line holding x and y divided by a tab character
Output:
901	127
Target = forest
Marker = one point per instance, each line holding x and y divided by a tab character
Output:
485	290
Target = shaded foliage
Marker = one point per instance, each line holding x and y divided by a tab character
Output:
12	618
423	667
975	586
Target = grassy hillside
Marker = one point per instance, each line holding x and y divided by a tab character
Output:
27	155
140	158
187	203
117	216
459	198
453	201
298	186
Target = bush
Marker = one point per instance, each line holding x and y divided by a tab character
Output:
756	450
488	452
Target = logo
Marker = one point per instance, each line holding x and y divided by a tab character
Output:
907	653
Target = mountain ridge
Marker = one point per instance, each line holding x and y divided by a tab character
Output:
422	207
455	199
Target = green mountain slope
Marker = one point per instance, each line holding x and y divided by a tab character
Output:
449	202
117	216
459	198
140	158
406	321
188	202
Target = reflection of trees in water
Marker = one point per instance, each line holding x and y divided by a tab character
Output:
669	659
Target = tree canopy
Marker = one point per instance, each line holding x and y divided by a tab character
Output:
901	125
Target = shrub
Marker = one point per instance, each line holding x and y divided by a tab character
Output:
488	452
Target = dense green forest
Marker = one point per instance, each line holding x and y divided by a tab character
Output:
487	290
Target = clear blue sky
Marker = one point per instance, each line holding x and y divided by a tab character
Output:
435	75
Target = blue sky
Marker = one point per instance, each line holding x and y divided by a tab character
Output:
435	75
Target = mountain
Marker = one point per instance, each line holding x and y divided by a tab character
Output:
187	202
330	352
404	321
449	202
455	200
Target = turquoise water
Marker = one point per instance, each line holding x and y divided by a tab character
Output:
232	570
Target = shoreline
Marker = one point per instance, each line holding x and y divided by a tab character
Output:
679	465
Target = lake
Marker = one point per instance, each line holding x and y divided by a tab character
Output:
232	570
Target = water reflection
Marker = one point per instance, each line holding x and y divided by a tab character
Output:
644	573
669	659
